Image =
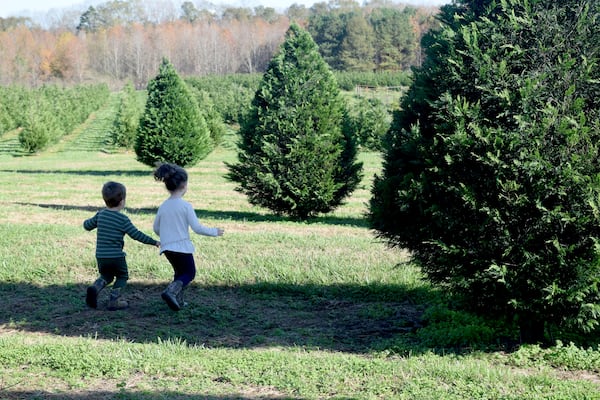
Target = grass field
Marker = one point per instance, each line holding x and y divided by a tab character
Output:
279	309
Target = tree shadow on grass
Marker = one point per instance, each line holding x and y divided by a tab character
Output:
217	215
257	217
346	318
131	395
82	172
71	207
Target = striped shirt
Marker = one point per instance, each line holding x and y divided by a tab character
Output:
112	227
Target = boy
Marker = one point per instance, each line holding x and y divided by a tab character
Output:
112	226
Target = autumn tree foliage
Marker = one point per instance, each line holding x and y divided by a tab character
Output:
126	40
491	165
172	128
294	158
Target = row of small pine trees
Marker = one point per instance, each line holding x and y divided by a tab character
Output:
47	113
224	100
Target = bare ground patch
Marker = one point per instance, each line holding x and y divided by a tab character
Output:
215	317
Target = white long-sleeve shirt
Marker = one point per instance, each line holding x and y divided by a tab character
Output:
172	222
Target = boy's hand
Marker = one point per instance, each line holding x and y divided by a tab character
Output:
157	244
220	232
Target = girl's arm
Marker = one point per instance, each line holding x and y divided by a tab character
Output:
156	224
198	228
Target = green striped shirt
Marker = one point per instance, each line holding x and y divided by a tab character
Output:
112	227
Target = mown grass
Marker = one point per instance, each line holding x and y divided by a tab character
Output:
279	309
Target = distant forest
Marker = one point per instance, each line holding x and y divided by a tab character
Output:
125	40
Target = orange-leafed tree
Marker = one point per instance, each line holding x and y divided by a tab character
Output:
63	60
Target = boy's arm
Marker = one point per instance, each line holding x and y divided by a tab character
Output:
138	235
91	223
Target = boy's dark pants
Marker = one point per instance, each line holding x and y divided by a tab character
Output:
114	268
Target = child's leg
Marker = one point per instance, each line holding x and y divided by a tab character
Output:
184	266
109	268
184	272
121	272
91	298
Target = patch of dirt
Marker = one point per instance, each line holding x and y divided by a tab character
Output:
580	376
215	316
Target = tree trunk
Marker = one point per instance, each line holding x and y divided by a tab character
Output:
531	329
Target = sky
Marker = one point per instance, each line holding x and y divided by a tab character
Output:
27	7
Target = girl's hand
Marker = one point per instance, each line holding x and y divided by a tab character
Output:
220	232
157	244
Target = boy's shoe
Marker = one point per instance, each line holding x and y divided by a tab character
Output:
115	302
91	298
169	295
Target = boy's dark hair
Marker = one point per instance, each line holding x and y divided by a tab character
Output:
113	193
172	175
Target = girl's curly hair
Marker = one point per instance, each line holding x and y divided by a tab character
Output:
172	175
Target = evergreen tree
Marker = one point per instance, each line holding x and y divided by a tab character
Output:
127	119
395	42
357	50
189	12
369	120
40	129
328	30
294	157
41	124
90	21
6	121
172	128
491	164
214	121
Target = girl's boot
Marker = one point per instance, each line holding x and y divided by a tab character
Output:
116	302
169	295
91	299
182	303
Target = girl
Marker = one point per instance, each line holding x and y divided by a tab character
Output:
174	218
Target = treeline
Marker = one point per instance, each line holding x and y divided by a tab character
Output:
121	41
369	39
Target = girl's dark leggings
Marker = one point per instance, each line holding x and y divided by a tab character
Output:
183	264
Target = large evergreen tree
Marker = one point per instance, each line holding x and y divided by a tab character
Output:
294	157
357	50
172	128
395	41
328	30
491	170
